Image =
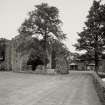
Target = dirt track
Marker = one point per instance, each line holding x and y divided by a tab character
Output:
32	89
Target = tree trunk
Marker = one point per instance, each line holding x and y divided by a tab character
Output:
96	66
96	54
45	51
96	61
53	65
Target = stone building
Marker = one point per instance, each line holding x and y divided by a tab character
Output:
5	64
87	66
16	61
13	60
61	65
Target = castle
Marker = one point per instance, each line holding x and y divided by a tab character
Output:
15	61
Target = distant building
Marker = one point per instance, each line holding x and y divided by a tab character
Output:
87	66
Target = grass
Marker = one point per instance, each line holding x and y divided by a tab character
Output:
33	89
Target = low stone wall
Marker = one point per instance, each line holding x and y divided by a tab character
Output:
100	87
39	70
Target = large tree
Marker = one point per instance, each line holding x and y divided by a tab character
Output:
43	21
92	38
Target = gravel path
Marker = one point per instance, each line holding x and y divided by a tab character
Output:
32	89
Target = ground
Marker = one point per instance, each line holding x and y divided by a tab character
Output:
35	89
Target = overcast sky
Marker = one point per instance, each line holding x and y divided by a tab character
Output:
72	12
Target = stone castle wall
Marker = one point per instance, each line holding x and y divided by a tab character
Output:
16	61
13	59
6	63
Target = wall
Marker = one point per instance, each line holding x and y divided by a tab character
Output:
61	65
18	60
6	64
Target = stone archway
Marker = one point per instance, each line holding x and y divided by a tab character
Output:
34	63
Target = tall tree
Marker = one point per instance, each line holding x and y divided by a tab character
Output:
92	38
43	21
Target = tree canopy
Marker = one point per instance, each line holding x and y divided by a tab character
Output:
92	38
41	34
43	20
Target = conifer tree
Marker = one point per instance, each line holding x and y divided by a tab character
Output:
92	38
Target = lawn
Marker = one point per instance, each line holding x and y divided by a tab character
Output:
36	89
20	88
